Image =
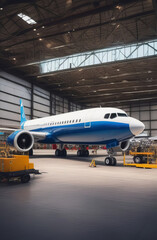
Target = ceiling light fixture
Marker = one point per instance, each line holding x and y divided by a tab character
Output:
40	39
34	29
119	7
26	18
1	9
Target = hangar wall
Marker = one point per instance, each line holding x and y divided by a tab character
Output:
145	112
41	103
37	102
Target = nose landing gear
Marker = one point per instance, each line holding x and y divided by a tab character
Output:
110	161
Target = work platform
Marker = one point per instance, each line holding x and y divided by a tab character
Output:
151	160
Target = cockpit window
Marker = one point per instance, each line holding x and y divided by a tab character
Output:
122	115
113	115
107	115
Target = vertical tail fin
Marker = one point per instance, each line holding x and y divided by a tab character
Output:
23	117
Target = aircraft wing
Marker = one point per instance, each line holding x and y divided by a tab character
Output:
8	130
35	134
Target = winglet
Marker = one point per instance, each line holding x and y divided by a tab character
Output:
23	117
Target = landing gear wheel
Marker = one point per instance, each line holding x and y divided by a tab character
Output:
57	153
25	178
79	153
86	153
64	152
137	159
113	161
108	161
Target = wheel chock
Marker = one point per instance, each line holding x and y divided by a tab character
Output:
92	164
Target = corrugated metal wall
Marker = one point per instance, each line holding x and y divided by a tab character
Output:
145	112
37	102
41	103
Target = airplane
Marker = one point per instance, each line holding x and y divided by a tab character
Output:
96	126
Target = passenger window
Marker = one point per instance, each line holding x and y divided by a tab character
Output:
70	121
113	115
80	120
107	115
76	120
73	120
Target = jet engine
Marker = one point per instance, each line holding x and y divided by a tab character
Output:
22	140
124	145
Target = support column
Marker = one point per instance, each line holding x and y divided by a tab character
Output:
32	99
50	104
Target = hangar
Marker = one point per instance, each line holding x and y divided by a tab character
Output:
61	56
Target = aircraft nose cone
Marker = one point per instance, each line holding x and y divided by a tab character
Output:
136	127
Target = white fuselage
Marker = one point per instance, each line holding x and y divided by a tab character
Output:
87	126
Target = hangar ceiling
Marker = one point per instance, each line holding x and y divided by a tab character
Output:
65	27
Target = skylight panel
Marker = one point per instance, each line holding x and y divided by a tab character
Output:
26	18
101	56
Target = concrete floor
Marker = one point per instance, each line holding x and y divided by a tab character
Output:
73	201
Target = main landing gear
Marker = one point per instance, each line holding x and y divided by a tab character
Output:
110	161
60	153
82	153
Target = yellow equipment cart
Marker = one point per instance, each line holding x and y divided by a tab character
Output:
151	160
16	166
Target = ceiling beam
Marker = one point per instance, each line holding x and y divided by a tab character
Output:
138	15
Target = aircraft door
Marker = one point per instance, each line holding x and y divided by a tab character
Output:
87	124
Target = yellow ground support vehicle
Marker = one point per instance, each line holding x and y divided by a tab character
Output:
14	166
17	166
150	157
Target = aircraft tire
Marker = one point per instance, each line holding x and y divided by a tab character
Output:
113	162
137	159
64	152
57	153
86	153
79	153
108	161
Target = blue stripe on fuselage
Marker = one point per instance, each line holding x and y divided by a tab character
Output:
100	132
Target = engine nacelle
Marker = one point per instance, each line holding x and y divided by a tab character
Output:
124	145
22	140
